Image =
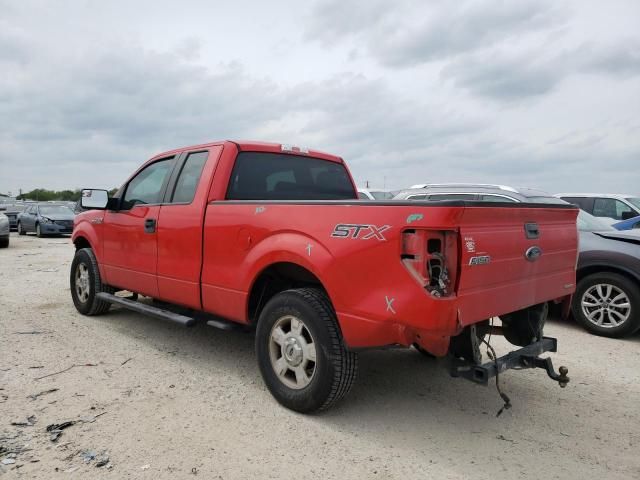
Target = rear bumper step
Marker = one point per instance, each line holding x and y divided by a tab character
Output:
525	357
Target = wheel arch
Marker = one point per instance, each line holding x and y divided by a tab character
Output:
275	278
82	242
606	268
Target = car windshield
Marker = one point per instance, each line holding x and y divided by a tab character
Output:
379	195
55	210
635	201
589	223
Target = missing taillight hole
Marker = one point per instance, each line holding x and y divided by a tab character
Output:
434	245
435	271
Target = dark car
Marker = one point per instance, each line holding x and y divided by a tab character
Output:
46	219
607	298
12	211
4	230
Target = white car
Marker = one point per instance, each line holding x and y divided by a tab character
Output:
375	194
613	206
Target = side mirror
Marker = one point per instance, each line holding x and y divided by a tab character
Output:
95	199
627	215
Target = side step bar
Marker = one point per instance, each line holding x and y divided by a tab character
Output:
148	309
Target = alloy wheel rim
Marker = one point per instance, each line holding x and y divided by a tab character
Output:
82	283
606	305
292	351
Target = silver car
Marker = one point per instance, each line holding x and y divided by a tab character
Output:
4	230
476	193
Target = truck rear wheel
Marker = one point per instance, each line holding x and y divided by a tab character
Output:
300	351
85	283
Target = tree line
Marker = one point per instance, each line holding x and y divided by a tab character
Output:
43	195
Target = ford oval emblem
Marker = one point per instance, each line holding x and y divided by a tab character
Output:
533	253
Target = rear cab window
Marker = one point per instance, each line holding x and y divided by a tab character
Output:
274	176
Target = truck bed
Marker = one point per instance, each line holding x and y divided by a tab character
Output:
372	258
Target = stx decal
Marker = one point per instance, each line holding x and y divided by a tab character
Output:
363	232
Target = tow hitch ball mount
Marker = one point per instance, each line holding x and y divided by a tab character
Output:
537	362
525	357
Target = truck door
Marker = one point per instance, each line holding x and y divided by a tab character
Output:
180	227
130	234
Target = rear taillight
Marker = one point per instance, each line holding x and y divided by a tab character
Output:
431	256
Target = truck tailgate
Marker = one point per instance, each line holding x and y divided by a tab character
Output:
522	256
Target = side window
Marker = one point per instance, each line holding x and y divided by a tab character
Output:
189	178
622	208
609	207
496	198
146	186
454	196
362	196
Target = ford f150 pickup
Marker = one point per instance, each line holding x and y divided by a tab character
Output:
272	237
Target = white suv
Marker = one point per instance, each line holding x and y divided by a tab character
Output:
608	205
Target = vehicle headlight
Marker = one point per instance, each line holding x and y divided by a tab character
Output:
46	220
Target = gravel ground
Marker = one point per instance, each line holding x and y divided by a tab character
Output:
166	402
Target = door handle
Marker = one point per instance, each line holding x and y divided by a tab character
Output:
531	230
150	225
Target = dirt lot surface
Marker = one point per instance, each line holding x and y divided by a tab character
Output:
162	401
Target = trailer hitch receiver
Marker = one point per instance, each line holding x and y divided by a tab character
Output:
525	357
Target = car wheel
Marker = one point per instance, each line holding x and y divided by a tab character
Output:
85	283
38	231
4	242
21	231
607	304
300	351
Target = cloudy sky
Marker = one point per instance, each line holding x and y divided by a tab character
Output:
528	93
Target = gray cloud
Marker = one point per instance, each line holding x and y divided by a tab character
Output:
415	33
514	76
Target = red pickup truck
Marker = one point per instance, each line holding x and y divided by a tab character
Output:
273	237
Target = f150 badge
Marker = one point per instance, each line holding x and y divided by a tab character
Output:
361	231
480	260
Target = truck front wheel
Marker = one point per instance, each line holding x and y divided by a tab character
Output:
85	282
300	351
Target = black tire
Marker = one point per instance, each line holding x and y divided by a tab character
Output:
4	242
38	231
90	304
630	288
21	231
335	367
525	326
